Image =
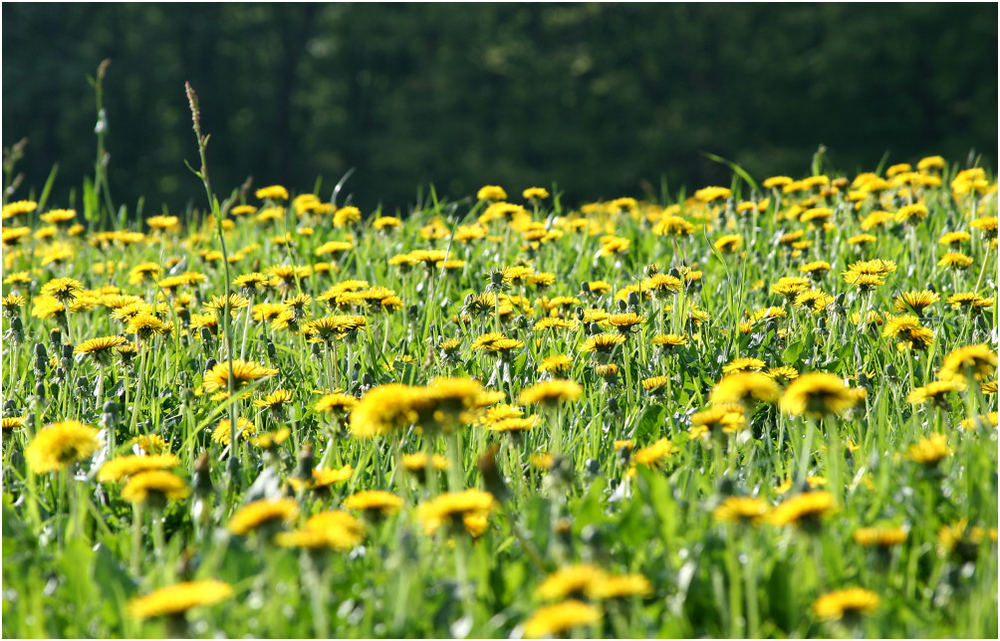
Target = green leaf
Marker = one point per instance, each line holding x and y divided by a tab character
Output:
739	171
47	189
651	423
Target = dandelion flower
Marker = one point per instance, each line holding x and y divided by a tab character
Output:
571	581
451	508
745	387
979	361
243	373
818	394
929	451
179	598
883	537
59	445
273	192
259	513
373	501
741	509
558	619
491	192
806	509
155	487
122	467
840	603
551	392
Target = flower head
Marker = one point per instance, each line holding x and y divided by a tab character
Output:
259	513
745	387
741	509
179	598
557	619
451	508
551	392
839	603
243	373
818	394
59	445
979	361
806	509
155	486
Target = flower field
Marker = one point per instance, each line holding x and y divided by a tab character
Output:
755	410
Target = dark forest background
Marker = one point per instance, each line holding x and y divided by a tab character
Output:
603	99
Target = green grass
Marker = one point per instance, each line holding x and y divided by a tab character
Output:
69	541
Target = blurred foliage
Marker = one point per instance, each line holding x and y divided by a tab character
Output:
604	100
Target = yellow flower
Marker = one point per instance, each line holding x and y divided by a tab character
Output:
652	455
603	343
818	394
979	361
385	408
728	418
850	601
741	509
223	431
908	213
709	194
625	322
669	341
618	586
728	243
12	422
337	403
243	372
908	330
744	365
929	451
143	272
331	529
955	238
745	387
58	215
254	515
274	400
19	207
777	182
417	463
557	619
653	383
879	536
373	501
273	438
59	445
575	580
123	466
935	391
179	598
972	423
99	348
533	193
62	288
551	392
323	477
491	192
955	259
145	325
556	364
273	192
452	507
806	509
915	300
155	485
386	222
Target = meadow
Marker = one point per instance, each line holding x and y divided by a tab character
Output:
764	409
